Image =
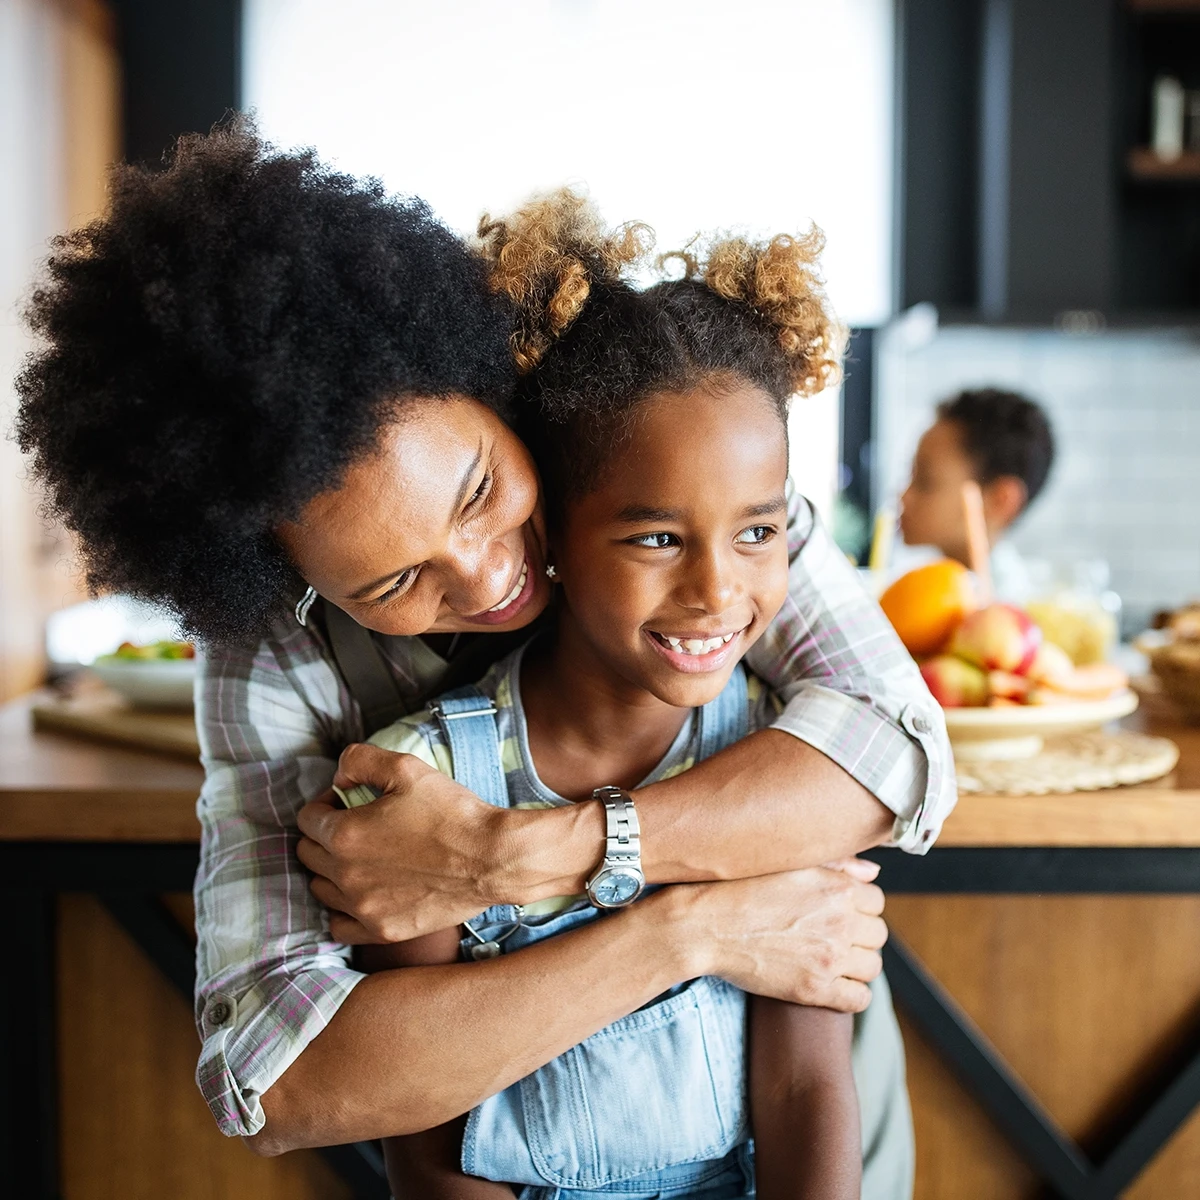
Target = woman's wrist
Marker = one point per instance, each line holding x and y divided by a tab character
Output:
540	853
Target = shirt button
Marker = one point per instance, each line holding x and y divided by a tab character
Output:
218	1012
921	724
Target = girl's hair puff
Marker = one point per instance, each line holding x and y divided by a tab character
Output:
592	346
547	256
778	280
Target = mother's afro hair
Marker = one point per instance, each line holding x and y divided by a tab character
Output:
221	346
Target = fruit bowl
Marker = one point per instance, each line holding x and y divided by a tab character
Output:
1019	731
149	683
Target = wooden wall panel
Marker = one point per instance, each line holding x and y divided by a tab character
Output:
1085	996
133	1124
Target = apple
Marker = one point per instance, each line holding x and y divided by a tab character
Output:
1051	665
1004	685
954	683
997	638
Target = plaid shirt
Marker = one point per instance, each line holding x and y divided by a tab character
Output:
273	720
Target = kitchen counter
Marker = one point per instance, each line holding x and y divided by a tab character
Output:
1014	938
57	787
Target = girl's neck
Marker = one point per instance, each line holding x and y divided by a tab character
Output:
588	726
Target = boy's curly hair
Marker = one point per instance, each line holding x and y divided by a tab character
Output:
221	346
592	346
1004	433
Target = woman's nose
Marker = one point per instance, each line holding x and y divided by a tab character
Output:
479	576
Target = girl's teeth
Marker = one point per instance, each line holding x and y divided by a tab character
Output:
518	588
697	645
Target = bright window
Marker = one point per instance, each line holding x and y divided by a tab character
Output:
687	114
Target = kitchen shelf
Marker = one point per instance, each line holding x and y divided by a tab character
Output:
1166	7
1146	166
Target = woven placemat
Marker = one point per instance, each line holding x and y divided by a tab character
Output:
1081	762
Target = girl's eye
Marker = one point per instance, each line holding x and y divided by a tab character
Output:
653	541
402	584
756	535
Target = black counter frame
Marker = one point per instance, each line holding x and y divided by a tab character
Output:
130	878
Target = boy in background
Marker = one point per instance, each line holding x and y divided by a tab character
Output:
1004	442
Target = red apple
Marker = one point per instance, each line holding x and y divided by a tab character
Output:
954	683
997	638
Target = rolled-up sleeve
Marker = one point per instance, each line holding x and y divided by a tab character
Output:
268	976
850	688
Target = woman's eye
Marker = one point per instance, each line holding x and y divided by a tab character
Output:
402	584
654	541
756	535
485	486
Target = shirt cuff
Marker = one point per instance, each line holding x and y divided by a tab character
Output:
250	1041
903	765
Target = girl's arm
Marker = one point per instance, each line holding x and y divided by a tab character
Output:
859	754
803	1104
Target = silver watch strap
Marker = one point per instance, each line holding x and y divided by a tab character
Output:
623	835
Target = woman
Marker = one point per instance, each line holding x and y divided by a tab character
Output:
261	377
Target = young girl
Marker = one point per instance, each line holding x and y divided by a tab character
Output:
658	420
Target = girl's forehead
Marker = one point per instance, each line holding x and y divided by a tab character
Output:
699	447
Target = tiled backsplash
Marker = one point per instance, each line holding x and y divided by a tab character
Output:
1126	411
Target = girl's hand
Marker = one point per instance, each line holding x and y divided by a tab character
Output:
809	937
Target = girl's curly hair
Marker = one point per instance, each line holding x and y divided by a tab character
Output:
592	346
221	346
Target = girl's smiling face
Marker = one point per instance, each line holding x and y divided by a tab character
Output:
674	565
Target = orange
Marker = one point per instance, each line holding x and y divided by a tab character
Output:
927	604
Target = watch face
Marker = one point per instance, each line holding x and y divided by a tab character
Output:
615	888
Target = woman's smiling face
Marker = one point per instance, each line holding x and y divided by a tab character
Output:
676	562
439	530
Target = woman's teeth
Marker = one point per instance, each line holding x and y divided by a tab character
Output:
518	588
697	645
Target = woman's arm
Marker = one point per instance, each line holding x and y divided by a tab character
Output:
428	1163
803	1103
413	1048
858	754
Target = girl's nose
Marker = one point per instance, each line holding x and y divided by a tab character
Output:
709	583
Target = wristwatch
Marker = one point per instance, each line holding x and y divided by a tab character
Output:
618	880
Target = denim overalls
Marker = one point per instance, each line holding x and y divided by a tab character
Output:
655	1103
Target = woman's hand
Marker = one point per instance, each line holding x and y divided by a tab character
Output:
426	855
429	853
810	937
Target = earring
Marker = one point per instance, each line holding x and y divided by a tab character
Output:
551	573
306	602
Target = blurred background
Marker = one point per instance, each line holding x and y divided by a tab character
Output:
1010	191
997	207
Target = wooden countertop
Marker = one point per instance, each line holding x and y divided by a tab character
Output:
55	787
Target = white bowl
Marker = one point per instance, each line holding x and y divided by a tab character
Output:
978	734
149	682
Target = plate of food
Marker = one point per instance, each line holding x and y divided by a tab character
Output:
1003	687
158	675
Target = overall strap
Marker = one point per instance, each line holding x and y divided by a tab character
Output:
724	720
364	670
468	721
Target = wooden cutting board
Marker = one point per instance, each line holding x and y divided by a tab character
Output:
105	717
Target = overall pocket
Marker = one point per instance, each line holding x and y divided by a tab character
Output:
661	1087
